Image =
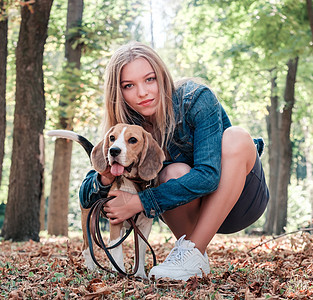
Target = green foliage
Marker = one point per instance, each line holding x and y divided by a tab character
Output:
6	6
79	91
233	45
219	55
298	207
280	28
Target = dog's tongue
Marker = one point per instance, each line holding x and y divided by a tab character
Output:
117	169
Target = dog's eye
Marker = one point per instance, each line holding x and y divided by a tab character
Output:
112	138
132	140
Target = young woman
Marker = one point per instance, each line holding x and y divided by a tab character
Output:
212	180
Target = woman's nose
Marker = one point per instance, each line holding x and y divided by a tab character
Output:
142	90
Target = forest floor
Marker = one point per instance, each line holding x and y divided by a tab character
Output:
53	269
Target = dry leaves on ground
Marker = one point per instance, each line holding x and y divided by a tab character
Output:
53	269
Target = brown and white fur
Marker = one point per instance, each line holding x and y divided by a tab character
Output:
135	158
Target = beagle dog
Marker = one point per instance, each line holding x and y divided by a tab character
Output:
135	158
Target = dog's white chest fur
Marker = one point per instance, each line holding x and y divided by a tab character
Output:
127	186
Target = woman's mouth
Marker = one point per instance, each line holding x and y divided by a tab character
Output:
145	102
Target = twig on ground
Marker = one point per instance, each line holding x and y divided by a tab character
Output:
280	236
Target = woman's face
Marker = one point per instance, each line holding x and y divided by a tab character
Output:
139	87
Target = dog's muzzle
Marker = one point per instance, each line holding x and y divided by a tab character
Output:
115	151
117	169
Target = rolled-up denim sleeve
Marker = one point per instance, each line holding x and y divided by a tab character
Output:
205	117
92	190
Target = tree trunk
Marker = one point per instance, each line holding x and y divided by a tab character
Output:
310	15
308	163
26	176
42	214
272	129
151	24
3	68
285	148
59	194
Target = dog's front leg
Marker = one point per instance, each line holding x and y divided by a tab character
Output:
86	251
144	224
116	233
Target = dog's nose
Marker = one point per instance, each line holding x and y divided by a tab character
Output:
115	151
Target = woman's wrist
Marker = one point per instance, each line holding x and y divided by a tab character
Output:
136	203
106	180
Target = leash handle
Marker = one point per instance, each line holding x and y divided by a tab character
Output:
94	233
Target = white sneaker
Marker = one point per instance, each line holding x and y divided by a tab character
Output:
183	262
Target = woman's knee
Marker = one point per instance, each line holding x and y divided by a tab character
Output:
238	147
237	141
173	171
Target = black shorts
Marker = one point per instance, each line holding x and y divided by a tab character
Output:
251	203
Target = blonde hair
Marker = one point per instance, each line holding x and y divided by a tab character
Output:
116	109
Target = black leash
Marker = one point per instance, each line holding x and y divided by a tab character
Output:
94	233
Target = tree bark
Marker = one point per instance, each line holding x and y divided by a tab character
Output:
285	148
272	129
26	175
59	194
310	15
308	163
42	213
3	68
151	24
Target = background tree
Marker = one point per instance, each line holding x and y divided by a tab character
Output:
3	68
286	42
22	211
306	129
285	149
310	14
59	194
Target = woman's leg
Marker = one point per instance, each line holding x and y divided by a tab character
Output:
202	219
181	220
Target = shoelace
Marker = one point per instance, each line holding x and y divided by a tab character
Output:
178	252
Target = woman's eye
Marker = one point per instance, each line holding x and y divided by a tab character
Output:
112	138
151	79
132	140
127	86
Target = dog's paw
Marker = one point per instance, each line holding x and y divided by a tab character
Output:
141	274
88	260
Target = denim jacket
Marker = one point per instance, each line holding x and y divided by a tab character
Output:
200	123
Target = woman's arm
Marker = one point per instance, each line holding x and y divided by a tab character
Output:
205	116
94	187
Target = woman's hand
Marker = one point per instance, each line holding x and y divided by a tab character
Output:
122	207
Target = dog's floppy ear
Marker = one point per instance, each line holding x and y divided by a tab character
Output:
151	160
98	155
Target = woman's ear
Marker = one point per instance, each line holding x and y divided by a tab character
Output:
151	160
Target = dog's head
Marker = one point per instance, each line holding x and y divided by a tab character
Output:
130	151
